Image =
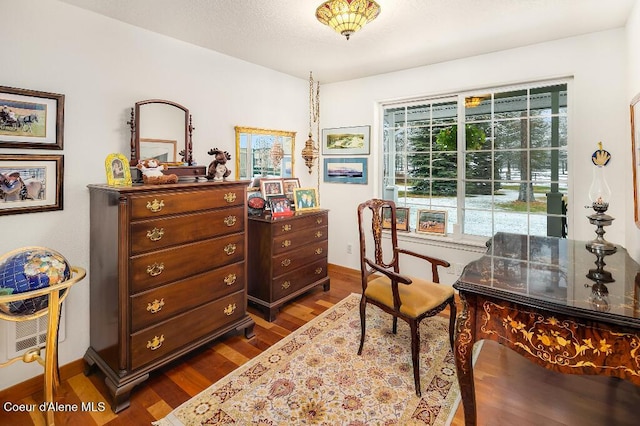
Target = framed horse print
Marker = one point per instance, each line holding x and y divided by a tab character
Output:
30	183
31	119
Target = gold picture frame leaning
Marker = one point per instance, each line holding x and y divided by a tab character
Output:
402	218
117	168
634	111
305	199
432	222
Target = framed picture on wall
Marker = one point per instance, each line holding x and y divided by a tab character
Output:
345	170
346	140
30	183
31	119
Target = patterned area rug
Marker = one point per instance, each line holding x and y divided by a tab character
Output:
314	376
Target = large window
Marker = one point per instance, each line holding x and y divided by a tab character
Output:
494	160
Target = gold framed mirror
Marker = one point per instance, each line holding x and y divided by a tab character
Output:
161	129
635	155
264	153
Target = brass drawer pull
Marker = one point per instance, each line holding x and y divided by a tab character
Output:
155	306
155	269
230	197
318	271
155	206
155	234
319	250
230	309
319	220
286	262
230	279
230	220
286	243
318	234
155	343
230	249
286	228
286	284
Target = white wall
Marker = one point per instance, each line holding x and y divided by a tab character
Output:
632	241
103	67
598	112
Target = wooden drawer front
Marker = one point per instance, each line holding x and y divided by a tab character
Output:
289	261
161	267
292	241
292	226
166	203
160	233
164	302
156	342
288	283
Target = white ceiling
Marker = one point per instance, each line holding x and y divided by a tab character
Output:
284	35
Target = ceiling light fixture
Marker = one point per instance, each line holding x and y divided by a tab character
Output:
347	16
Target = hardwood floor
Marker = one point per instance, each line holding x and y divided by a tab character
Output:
510	390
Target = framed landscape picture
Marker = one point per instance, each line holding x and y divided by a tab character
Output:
402	218
31	119
432	222
345	170
30	183
346	141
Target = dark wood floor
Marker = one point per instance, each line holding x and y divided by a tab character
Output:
510	390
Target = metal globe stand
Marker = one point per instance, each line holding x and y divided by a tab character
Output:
600	220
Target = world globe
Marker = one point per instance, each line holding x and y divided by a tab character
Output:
28	269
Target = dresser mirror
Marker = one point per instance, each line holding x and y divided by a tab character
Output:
264	153
161	129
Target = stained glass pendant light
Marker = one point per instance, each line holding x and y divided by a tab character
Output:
347	16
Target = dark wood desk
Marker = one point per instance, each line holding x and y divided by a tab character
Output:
554	302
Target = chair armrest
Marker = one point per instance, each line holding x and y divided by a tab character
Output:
435	262
393	276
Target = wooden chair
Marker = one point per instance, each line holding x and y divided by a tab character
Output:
408	298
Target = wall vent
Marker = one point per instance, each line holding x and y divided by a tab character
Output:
24	335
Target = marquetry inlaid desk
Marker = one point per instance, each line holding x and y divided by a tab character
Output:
554	302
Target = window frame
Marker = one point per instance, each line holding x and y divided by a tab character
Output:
461	120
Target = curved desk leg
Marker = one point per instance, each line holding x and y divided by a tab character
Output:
463	351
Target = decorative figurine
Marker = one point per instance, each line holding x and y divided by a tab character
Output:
218	169
152	174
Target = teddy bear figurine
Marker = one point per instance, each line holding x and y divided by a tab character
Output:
152	174
218	169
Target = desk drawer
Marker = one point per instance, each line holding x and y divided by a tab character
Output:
291	226
175	202
295	259
156	234
292	241
164	266
287	284
156	342
164	302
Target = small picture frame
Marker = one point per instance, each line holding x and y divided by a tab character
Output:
280	206
432	222
305	199
402	218
289	185
118	172
271	186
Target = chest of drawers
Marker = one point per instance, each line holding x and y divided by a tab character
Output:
287	257
168	274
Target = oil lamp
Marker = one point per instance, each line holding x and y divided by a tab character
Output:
599	194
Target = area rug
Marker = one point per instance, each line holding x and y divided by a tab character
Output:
314	376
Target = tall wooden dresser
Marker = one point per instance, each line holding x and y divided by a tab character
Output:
287	257
168	274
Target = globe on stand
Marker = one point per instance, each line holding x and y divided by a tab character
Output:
28	269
